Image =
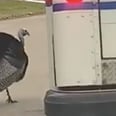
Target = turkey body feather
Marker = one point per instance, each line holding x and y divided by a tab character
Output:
13	60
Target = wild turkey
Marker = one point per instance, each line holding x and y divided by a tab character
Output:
13	60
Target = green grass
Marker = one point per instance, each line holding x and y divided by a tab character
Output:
13	9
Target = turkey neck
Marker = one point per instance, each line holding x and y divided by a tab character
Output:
21	38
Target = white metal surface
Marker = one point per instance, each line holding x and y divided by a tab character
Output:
108	23
50	46
79	50
74	40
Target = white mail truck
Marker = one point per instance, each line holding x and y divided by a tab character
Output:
82	58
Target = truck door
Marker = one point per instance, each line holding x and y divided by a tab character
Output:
76	43
107	18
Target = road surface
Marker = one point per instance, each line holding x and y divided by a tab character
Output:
31	90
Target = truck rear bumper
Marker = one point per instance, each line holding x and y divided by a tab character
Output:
81	103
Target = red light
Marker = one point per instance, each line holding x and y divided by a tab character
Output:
74	1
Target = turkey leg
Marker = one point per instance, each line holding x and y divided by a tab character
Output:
9	100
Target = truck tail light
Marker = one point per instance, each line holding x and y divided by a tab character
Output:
48	2
74	1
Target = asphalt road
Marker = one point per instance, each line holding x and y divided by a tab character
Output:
31	90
